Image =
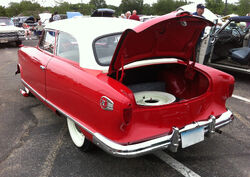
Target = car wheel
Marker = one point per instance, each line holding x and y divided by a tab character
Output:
77	136
18	43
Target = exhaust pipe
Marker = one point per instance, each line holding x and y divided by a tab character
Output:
25	92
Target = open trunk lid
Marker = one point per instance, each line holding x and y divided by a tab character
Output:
172	35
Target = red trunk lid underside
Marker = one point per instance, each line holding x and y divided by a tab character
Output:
173	35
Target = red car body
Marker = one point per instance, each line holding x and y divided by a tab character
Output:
105	108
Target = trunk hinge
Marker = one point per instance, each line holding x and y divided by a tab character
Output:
122	71
190	72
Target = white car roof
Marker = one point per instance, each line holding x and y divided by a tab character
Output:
86	30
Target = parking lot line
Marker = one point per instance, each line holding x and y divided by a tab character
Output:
49	162
175	164
242	119
241	98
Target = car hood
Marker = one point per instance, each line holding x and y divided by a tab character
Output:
9	29
170	36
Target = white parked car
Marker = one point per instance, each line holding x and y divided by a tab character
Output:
10	33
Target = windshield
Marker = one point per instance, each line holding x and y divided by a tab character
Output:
104	48
6	22
22	19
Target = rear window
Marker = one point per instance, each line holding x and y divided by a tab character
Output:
104	48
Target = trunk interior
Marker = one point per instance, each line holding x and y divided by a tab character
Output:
165	78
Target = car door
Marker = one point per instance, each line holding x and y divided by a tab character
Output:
63	74
208	44
35	68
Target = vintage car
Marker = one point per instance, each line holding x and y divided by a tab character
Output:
10	33
229	47
128	87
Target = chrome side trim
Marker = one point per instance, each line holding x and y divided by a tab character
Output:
30	88
171	141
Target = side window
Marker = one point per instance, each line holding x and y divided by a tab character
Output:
48	41
67	47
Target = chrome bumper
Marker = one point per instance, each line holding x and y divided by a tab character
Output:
170	142
11	39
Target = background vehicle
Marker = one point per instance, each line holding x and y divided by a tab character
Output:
10	33
31	21
229	47
73	14
103	12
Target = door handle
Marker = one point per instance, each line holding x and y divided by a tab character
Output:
42	67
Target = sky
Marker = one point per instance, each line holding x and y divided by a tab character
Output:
109	2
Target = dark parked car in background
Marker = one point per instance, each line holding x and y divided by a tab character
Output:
31	21
103	12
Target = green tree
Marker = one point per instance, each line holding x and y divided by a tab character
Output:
216	6
13	9
179	3
147	9
231	9
62	8
25	8
2	11
85	9
98	3
117	12
163	7
130	5
243	7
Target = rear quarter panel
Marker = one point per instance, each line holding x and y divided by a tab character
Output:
77	92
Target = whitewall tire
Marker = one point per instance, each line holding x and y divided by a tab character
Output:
77	136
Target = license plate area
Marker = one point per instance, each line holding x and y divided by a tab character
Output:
191	137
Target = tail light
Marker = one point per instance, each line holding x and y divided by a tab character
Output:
127	115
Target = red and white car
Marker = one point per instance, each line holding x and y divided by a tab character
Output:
129	87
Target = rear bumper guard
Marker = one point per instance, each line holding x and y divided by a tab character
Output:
170	142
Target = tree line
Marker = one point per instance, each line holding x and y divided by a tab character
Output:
28	8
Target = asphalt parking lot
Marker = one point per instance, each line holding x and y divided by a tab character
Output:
34	141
